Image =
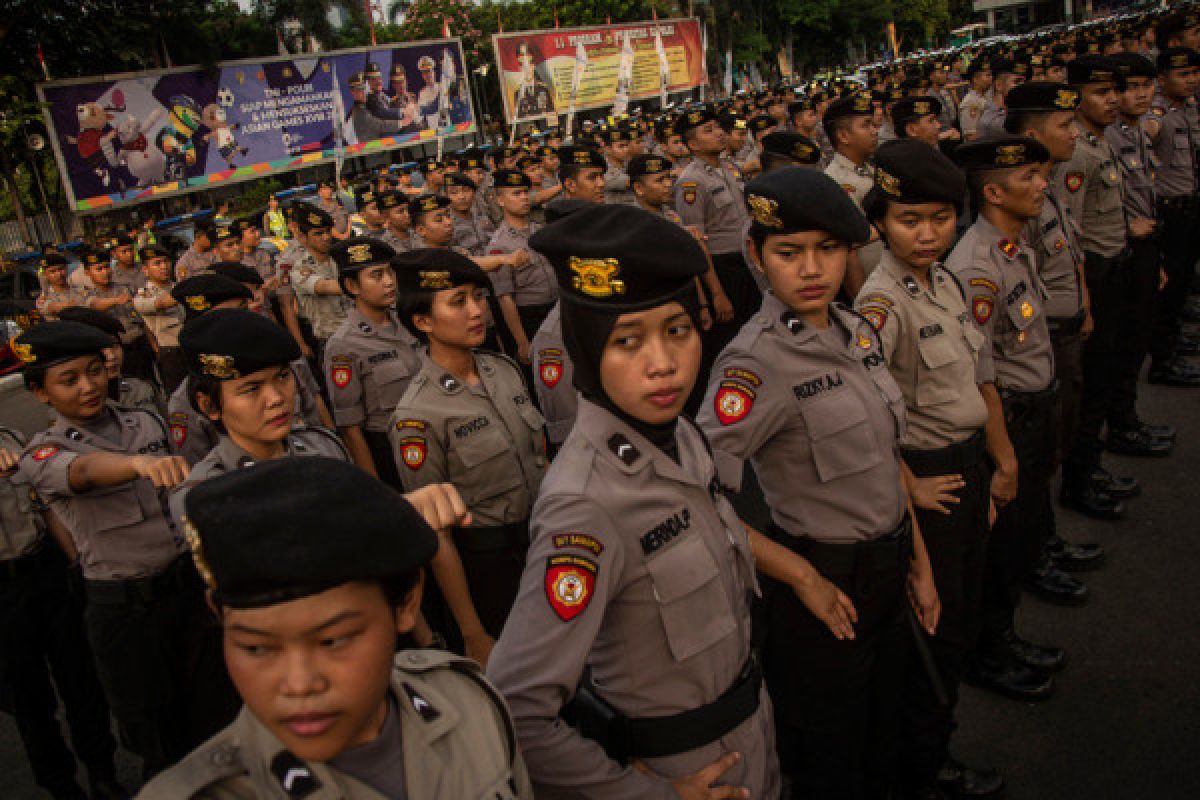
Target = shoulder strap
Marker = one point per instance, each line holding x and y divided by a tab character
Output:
962	291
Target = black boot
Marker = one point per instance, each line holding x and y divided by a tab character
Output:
957	780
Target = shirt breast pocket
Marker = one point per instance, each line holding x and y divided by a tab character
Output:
840	435
537	426
391	378
1181	153
112	511
938	379
721	198
691	601
487	469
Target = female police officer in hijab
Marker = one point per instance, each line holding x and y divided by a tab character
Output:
639	573
804	393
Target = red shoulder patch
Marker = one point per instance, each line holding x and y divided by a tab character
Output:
550	366
875	315
981	307
340	375
570	582
733	402
412	453
43	453
1073	181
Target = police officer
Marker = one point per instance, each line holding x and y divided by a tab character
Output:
789	149
125	392
854	135
314	278
344	552
240	378
372	357
41	635
932	350
472	228
199	254
1176	133
1016	375
917	118
581	170
979	81
327	201
1008	73
1091	186
398	234
372	219
804	385
467	419
616	153
162	316
56	293
104	294
103	470
125	270
639	567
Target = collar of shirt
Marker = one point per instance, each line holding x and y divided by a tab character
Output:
907	282
997	240
863	170
396	331
631	453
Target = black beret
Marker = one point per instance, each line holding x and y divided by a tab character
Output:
92	257
238	272
581	156
330	524
459	179
53	342
365	195
802	104
857	104
511	179
392	199
1177	58
730	121
426	203
564	207
243	224
694	118
978	64
310	218
913	108
359	252
908	171
795	146
100	320
1005	152
1040	96
120	240
428	165
471	159
795	199
202	292
54	260
1173	24
620	258
203	226
761	123
615	134
1094	69
646	164
231	343
432	269
224	232
1010	66
1135	65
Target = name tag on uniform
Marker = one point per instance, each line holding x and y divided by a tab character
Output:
816	386
931	330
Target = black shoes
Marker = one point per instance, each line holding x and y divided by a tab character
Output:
1175	374
1117	487
1086	499
957	780
1137	443
106	789
1039	657
1055	586
1074	557
1010	678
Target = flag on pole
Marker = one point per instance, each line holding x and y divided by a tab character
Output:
499	22
449	77
42	61
581	63
624	77
339	129
728	72
445	27
664	66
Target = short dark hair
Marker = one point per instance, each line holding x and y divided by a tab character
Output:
832	126
409	305
1020	121
773	161
978	179
208	387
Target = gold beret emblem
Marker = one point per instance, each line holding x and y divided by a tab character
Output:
596	277
862	103
24	351
764	211
439	279
887	182
429	204
1066	99
198	302
653	166
583	157
315	219
359	253
218	366
193	539
1179	60
1010	155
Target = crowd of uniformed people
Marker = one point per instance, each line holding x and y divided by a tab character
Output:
703	455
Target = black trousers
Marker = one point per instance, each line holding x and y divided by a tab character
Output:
1138	287
957	547
158	655
139	360
1020	531
1067	340
43	648
172	368
1101	362
1180	249
493	560
837	703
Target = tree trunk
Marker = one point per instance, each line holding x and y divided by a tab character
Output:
10	183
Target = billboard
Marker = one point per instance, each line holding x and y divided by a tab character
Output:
128	138
539	70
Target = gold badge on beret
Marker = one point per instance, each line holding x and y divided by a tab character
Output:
862	103
435	280
654	166
198	302
24	352
1010	155
582	157
764	210
1066	99
695	117
193	539
921	108
1179	60
887	182
315	219
515	179
429	204
596	277
218	366
359	253
802	151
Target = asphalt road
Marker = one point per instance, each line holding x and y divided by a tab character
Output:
1125	721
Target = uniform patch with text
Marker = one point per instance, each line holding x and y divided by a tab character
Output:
581	540
981	307
570	583
733	402
43	453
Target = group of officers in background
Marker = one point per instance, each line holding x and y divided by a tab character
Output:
721	445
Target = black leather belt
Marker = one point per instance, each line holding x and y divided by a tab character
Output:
845	558
169	582
624	738
958	456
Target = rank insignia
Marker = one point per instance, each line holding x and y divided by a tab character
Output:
876	316
218	366
1073	181
1008	248
1058	246
340	376
733	402
981	307
570	583
864	342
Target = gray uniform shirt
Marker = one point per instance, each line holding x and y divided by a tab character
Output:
1091	187
1136	159
193	262
324	311
472	232
553	382
21	526
991	122
1008	304
163	324
1175	147
369	367
124	312
131	279
616	185
711	198
819	417
120	531
487	440
639	569
932	350
1054	241
857	180
531	285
